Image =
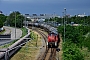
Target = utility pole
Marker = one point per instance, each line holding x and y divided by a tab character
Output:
84	18
15	24
64	22
54	18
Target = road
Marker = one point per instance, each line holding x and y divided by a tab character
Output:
12	31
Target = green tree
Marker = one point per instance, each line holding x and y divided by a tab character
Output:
75	34
75	38
19	19
2	17
1	23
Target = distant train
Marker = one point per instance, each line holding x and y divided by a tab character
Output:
53	36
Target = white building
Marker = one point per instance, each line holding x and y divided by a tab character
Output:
81	15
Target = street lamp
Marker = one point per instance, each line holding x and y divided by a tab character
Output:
64	22
62	18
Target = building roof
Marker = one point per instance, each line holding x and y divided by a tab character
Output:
42	16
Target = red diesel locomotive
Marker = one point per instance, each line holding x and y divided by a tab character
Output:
53	40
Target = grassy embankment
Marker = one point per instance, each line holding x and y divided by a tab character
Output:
1	32
60	46
29	51
86	53
86	50
24	31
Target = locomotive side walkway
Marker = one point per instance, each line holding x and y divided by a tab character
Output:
12	31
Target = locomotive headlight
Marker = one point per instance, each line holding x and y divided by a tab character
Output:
47	43
55	43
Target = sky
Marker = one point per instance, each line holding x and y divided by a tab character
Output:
73	7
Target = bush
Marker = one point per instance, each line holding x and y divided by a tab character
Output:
71	52
74	39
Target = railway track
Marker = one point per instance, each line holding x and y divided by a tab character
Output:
50	54
47	53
